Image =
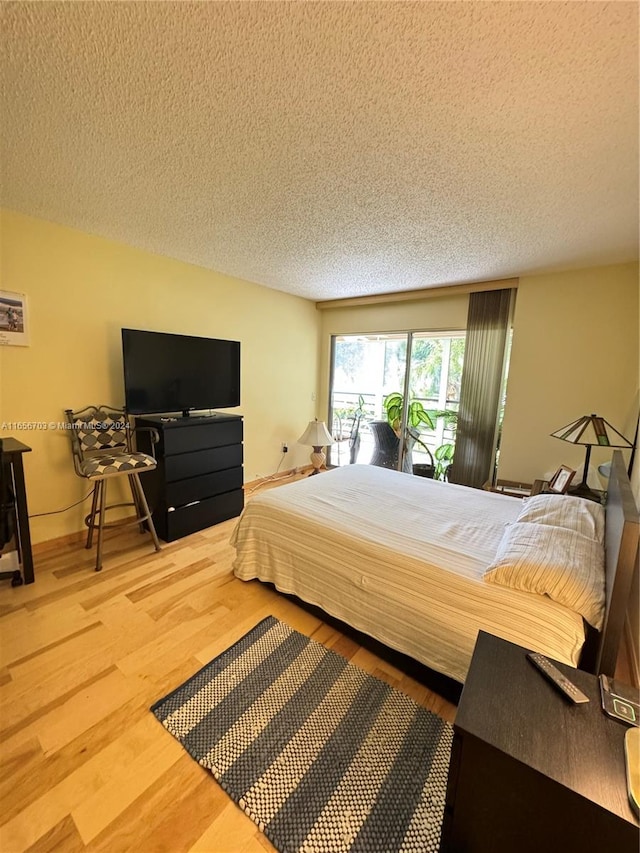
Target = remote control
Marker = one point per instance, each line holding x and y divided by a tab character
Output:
559	681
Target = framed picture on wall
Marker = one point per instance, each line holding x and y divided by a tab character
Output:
561	480
14	319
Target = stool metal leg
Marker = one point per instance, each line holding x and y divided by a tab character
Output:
135	478
103	498
91	518
136	502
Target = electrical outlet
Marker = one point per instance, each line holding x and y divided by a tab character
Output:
285	447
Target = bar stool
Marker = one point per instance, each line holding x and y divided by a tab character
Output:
102	448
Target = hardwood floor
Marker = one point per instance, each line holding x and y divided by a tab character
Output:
84	763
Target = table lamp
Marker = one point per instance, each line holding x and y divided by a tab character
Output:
317	436
592	431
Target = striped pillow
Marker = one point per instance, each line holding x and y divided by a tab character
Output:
553	561
586	517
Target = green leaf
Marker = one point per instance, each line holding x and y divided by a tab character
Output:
444	453
425	418
393	399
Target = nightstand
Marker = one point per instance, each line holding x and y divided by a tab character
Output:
529	771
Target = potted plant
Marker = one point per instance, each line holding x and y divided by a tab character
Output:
393	406
444	453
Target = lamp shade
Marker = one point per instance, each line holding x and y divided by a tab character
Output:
592	430
316	435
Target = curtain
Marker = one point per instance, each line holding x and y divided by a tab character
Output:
488	324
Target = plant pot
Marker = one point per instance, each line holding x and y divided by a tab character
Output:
423	470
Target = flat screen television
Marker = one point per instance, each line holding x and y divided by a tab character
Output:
178	373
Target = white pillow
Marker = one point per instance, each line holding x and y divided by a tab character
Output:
553	561
583	516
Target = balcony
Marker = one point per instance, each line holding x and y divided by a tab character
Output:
354	441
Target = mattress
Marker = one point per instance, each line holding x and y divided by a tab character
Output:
400	558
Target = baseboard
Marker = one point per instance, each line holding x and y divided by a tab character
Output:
59	542
632	653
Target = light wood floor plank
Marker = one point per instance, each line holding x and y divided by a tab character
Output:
226	834
157	820
94	753
127	782
87	707
24	712
63	836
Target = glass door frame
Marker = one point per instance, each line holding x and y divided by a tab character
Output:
408	336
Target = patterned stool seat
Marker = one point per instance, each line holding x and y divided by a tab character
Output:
117	463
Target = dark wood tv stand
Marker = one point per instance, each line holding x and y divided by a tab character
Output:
198	481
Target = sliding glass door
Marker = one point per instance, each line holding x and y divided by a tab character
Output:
364	370
369	371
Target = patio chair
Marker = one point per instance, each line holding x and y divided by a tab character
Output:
387	447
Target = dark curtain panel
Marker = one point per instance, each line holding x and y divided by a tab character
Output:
487	329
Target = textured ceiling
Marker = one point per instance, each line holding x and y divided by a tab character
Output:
330	149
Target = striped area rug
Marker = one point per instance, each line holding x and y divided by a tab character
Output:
322	756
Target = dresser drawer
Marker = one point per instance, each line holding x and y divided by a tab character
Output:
182	492
189	519
186	439
184	465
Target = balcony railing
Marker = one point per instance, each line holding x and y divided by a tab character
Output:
345	405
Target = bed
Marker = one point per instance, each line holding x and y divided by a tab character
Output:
402	559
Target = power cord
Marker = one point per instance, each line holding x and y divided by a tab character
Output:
57	511
273	478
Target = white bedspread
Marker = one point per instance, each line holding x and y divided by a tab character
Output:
400	558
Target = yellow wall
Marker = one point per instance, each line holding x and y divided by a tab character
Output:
81	290
575	352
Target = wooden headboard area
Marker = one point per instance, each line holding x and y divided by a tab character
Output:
621	558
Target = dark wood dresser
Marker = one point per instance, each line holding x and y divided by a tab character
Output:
199	479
